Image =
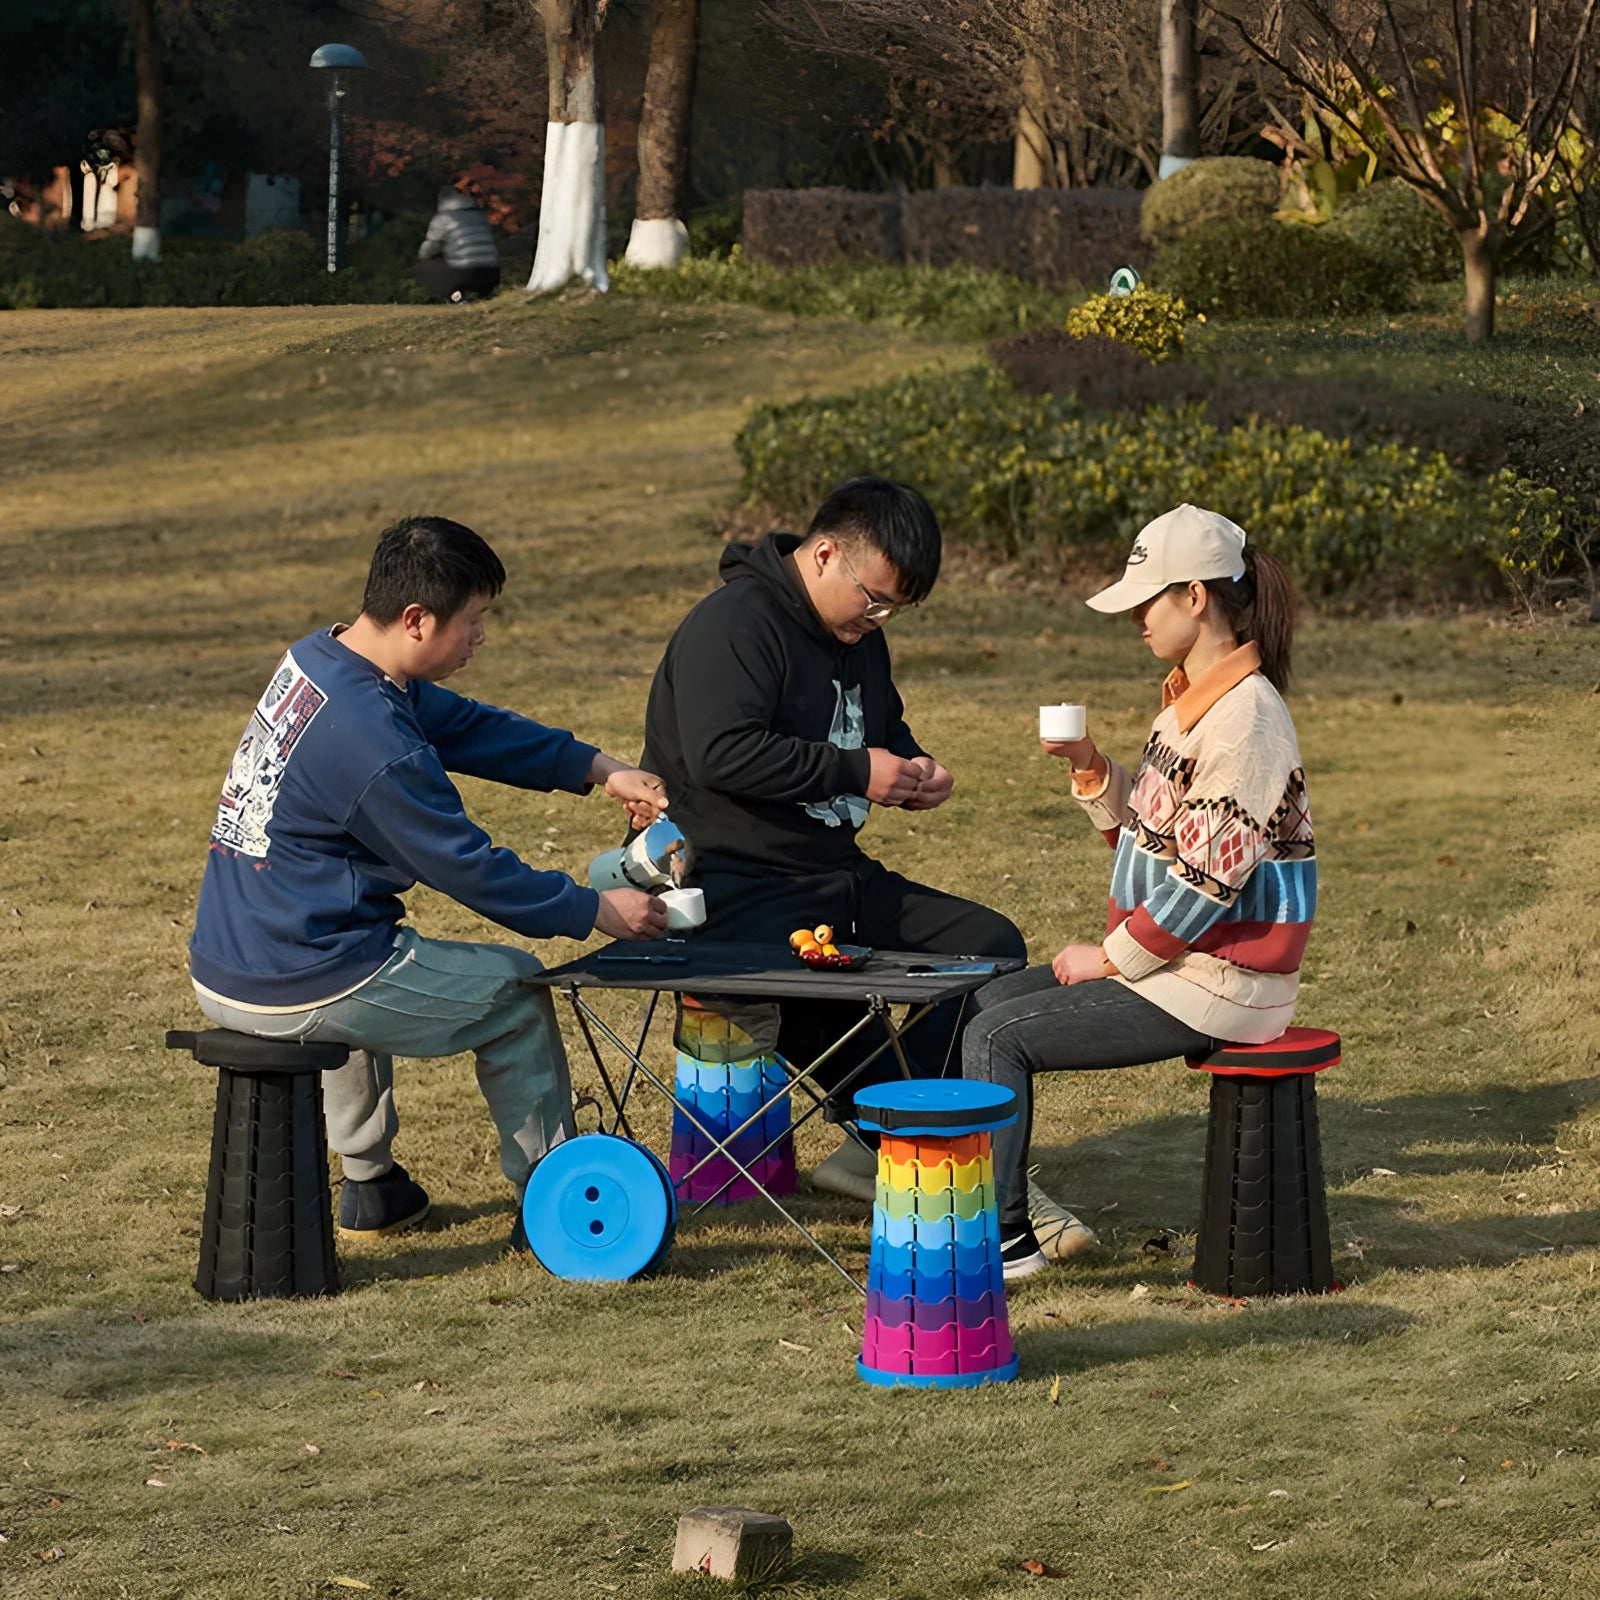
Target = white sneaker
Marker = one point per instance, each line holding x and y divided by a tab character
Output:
851	1171
1021	1257
1061	1235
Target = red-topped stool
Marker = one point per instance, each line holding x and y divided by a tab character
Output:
1263	1209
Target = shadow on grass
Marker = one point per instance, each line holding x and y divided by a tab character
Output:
1319	1319
817	1572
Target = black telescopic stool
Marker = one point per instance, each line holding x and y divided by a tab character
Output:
268	1230
1263	1208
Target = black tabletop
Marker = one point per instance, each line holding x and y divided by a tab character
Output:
771	972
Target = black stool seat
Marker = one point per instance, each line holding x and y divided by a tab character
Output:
1263	1206
268	1228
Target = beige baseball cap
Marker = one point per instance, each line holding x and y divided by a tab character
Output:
1180	546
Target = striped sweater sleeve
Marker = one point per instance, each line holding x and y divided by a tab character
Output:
1222	834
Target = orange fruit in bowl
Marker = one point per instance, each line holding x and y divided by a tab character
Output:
830	950
822	933
800	938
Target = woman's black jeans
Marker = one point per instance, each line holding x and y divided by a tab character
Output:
1027	1022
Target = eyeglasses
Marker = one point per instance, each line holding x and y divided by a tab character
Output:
877	610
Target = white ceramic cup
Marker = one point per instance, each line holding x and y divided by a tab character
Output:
1060	723
686	908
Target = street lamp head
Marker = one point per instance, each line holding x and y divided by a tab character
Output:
338	56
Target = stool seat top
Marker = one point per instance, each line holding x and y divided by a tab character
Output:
245	1052
941	1107
1295	1050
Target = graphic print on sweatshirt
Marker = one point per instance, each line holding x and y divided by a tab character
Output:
250	790
849	732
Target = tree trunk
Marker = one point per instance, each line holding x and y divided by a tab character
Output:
147	138
659	238
1180	87
1479	255
1030	162
572	204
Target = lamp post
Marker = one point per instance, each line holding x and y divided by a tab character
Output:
336	60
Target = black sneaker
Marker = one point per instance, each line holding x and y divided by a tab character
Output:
1021	1257
389	1204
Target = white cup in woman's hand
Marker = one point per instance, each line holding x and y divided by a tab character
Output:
1062	724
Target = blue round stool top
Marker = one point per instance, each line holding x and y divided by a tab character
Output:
599	1208
936	1107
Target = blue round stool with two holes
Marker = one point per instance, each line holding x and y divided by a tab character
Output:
599	1209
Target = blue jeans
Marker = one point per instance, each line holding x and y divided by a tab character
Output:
434	997
1027	1022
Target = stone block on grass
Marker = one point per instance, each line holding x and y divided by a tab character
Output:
732	1542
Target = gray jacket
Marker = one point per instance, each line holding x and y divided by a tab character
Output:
460	233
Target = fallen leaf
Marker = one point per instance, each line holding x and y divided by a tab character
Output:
1446	861
1040	1570
1168	1488
1277	1494
1445	1504
376	1394
424	1383
1112	1207
54	1553
1384	1172
339	1372
1271	1544
310	1450
1507	1465
349	1583
1055	1391
10	1266
1138	1291
789	1344
179	1444
434	1411
8	1212
155	1483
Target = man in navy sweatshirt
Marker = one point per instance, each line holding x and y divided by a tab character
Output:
337	802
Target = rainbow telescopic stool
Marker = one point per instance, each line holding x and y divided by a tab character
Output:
936	1292
729	1096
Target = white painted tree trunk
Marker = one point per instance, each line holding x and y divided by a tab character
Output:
657	242
146	244
572	209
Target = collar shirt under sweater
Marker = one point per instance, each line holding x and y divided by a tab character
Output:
1214	884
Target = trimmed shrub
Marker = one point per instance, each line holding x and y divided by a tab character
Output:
1145	320
1050	236
1216	189
1019	473
813	227
1392	221
287	267
956	301
1278	269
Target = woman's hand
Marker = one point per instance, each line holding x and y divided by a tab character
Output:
1079	963
1080	752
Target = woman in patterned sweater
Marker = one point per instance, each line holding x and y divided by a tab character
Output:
1214	880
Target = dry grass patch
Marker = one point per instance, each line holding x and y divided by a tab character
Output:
195	491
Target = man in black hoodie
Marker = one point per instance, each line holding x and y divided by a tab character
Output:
775	724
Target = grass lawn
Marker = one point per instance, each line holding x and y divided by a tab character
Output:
185	492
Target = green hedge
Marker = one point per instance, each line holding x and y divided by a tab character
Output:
1391	221
1022	474
39	270
960	302
1279	269
1214	189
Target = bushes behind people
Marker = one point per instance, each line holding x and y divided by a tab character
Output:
960	302
1265	268
1216	189
39	270
1041	475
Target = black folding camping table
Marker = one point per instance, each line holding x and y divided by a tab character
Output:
712	969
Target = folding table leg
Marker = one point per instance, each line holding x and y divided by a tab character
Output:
581	1012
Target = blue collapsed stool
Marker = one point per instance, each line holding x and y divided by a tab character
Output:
268	1230
599	1208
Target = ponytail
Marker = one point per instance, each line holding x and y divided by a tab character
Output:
1260	607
